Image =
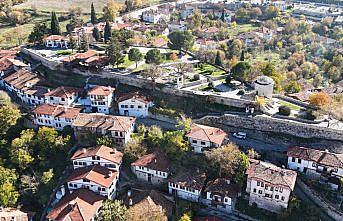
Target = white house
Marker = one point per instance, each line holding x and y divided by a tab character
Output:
187	184
154	16
55	116
269	186
221	194
203	137
101	98
316	164
25	86
96	178
56	41
100	155
134	104
65	96
152	168
119	128
82	204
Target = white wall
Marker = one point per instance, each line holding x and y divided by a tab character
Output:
186	194
87	161
198	145
134	108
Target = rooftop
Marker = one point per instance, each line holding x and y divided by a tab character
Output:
222	187
63	92
81	205
272	174
101	90
318	156
154	161
207	133
102	151
95	173
57	111
191	178
134	95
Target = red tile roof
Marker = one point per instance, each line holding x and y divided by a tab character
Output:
101	90
189	178
272	174
81	205
318	156
206	133
95	173
106	122
134	95
220	186
102	151
154	161
80	56
23	79
55	38
63	92
57	111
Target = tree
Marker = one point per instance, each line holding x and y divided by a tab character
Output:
174	144
93	15
229	160
293	87
38	32
218	61
185	217
105	140
284	110
179	40
234	49
96	34
8	193
154	136
83	43
135	55
153	56
5	99
54	25
241	70
112	211
72	43
241	167
134	149
317	80
20	149
8	117
271	12
319	99
253	154
107	32
111	10
114	52
196	19
152	72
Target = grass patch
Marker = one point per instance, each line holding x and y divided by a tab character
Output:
207	69
241	28
127	63
290	105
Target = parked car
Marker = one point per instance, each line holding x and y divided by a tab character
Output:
240	135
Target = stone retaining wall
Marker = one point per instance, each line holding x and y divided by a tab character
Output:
268	124
327	208
38	57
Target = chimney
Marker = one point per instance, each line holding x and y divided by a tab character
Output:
155	160
110	173
130	202
84	150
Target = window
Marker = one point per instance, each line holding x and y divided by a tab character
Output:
277	197
122	106
293	159
262	184
99	189
266	187
268	195
132	106
314	164
280	190
75	163
271	188
139	106
225	200
258	183
299	160
254	190
260	192
70	184
194	141
203	143
282	198
62	99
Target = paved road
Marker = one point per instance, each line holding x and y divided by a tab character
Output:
224	216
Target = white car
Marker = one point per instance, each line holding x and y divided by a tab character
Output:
240	135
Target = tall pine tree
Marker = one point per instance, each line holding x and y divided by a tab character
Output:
55	26
93	15
107	33
218	60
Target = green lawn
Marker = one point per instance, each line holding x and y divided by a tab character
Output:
241	28
126	63
290	105
208	69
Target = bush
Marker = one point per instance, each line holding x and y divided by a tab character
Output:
309	115
196	77
63	52
164	111
284	110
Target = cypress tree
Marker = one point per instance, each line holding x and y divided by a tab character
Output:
107	33
218	60
96	34
93	15
242	56
55	27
